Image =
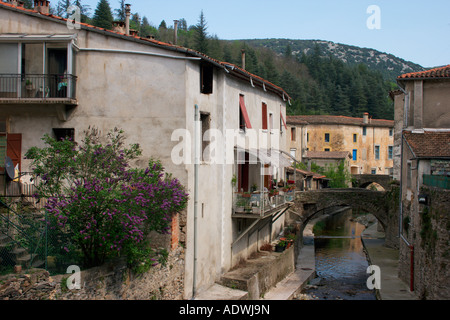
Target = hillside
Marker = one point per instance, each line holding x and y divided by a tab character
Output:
387	64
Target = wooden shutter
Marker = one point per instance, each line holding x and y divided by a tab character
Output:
244	112
14	148
264	116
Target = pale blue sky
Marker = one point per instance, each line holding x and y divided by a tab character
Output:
415	30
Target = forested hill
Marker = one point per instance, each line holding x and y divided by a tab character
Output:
387	64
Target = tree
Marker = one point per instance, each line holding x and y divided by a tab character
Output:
97	205
61	8
201	36
120	12
103	17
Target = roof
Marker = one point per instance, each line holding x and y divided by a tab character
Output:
306	173
338	120
428	144
436	73
327	154
230	68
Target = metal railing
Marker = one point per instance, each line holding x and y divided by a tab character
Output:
260	202
37	86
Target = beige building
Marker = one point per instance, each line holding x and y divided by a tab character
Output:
59	78
369	141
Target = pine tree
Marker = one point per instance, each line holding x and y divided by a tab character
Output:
61	8
201	36
103	17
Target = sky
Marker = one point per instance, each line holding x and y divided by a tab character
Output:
414	30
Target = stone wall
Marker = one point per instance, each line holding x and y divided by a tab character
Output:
112	281
428	231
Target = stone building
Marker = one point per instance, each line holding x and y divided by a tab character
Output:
59	78
369	141
422	117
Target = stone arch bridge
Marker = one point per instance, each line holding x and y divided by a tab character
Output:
309	204
364	180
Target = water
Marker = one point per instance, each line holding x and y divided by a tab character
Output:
341	263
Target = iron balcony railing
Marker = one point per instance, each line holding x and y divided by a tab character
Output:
38	86
260	203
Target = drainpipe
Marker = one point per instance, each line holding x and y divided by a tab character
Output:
400	228
196	164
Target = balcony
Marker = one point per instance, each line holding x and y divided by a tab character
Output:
251	206
38	88
58	90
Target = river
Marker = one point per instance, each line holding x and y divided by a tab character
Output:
341	262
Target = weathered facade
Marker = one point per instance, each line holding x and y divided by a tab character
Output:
165	98
369	141
422	166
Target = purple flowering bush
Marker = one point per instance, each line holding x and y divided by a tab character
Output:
98	203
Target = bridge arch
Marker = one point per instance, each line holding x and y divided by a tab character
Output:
364	180
310	203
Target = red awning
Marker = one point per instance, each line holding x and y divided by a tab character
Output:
282	118
244	112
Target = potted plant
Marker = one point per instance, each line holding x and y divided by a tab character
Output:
28	84
246	195
240	206
254	187
280	246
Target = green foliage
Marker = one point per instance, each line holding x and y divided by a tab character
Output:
103	16
97	205
338	173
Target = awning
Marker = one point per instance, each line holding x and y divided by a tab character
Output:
37	37
272	157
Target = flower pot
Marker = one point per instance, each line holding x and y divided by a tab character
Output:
279	248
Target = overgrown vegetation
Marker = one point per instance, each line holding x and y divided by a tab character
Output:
98	206
338	174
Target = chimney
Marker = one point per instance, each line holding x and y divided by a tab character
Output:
42	6
119	26
175	27
366	118
127	18
243	59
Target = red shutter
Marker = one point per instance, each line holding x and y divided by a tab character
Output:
282	118
14	148
264	116
244	112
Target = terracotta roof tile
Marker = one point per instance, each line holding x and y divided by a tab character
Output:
181	49
327	154
429	144
328	119
436	73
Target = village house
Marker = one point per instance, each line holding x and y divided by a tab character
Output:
422	166
59	78
369	141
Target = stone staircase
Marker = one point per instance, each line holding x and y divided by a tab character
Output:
17	233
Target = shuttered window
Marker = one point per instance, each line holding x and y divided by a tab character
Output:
244	120
264	116
14	148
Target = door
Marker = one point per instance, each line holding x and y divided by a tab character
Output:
14	148
57	68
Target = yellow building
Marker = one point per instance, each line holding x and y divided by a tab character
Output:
369	141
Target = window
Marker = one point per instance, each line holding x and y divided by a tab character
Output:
327	137
293	134
282	122
64	133
244	120
264	116
391	132
307	137
205	120
270	121
293	153
364	131
206	78
390	152
355	137
373	171
377	152
327	149
355	155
